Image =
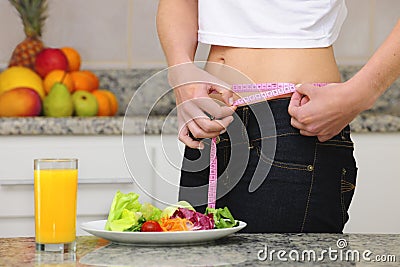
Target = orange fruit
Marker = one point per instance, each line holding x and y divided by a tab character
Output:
58	76
113	101
73	57
104	103
83	81
94	78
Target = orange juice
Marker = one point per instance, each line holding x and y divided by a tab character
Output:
55	205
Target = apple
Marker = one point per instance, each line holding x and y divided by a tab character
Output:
85	104
50	59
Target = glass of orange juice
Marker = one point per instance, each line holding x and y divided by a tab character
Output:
55	186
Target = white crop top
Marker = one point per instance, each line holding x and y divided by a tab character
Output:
271	23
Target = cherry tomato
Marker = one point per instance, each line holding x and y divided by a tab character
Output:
151	226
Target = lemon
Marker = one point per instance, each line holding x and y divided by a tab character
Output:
15	77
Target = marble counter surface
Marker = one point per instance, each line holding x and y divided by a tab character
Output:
145	96
139	125
234	250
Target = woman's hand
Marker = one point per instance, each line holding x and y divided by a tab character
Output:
327	110
324	111
199	114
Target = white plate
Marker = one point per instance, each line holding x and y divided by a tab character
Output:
158	238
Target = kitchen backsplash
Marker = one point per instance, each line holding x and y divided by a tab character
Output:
122	34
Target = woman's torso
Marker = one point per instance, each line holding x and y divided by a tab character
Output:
260	65
272	40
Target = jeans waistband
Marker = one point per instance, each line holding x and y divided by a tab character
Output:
263	120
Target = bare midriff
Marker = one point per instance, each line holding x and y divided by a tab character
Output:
294	65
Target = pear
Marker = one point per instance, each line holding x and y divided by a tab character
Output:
58	103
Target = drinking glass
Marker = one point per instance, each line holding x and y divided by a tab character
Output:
55	186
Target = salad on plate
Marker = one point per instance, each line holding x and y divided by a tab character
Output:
127	214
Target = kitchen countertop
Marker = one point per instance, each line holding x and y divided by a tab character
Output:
147	100
234	250
138	125
88	126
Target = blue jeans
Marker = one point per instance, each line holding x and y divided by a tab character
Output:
299	183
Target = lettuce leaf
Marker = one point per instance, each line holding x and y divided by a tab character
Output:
124	212
222	217
129	219
150	212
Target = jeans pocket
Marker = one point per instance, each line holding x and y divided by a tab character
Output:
287	185
283	164
283	194
333	186
347	188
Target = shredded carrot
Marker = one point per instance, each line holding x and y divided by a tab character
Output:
175	224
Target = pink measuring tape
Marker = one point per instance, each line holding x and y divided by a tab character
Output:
266	91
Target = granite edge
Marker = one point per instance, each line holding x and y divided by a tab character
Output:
153	125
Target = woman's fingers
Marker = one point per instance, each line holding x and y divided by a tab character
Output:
184	137
300	97
304	100
198	113
198	132
209	105
323	138
306	133
196	128
193	111
226	94
213	127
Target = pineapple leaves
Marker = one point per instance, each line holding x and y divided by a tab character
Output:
33	15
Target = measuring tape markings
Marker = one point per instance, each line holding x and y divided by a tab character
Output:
267	90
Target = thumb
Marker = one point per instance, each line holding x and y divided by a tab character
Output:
300	97
226	94
305	89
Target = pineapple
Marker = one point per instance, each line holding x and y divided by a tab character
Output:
33	15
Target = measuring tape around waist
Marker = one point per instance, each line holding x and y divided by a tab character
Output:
266	91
